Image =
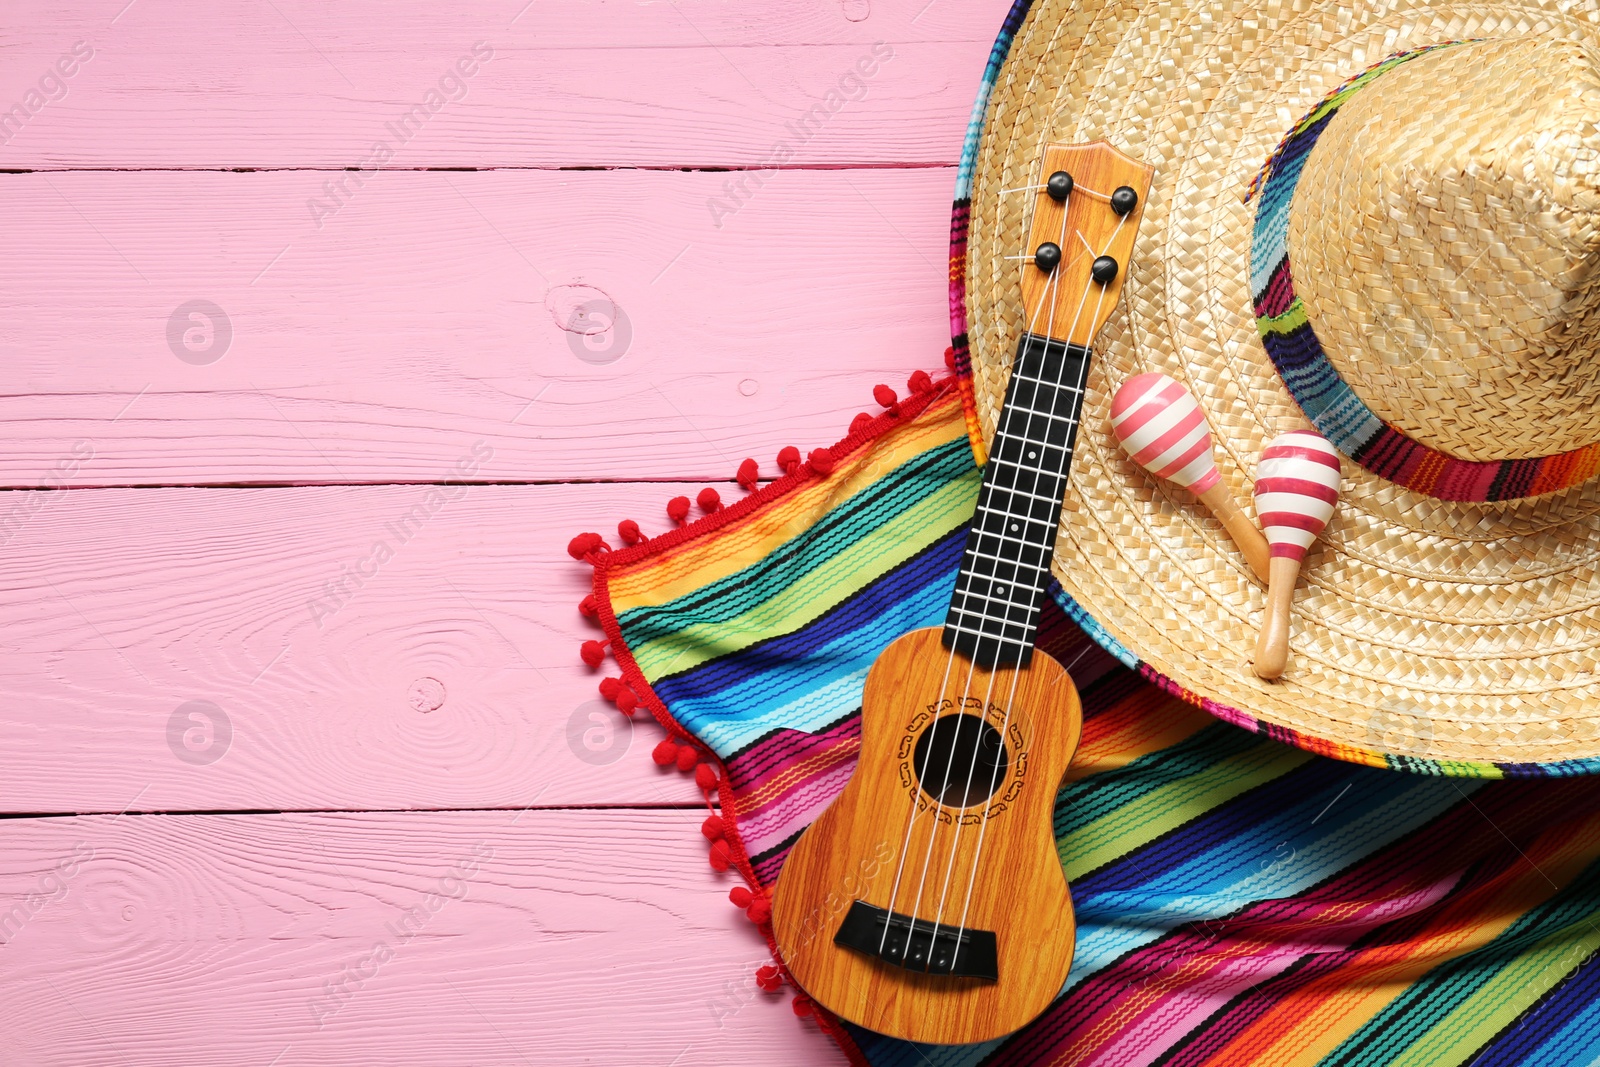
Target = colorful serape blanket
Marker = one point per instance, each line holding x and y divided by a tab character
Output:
1241	901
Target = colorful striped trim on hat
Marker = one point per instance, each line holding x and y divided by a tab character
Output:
1316	385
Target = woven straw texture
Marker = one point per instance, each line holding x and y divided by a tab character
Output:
1453	636
1458	301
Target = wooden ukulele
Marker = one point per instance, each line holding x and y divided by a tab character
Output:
928	901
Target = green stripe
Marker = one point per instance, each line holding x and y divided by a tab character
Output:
1081	803
845	523
829	581
1163	810
1447	768
1292	319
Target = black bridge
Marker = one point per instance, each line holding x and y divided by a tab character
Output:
917	944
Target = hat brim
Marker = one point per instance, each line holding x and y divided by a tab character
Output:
1446	637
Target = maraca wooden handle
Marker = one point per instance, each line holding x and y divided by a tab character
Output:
1252	544
1272	647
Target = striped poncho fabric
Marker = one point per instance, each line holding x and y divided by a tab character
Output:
1241	901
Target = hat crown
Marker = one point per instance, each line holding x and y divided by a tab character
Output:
1446	242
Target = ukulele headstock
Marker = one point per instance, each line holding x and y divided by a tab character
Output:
1087	218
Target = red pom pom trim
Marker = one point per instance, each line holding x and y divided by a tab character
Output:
664	752
788	459
687	758
709	500
629	531
712	827
705	777
749	474
740	897
582	546
678	508
592	652
587	607
885	396
822	461
719	856
920	382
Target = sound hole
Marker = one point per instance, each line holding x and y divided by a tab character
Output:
954	750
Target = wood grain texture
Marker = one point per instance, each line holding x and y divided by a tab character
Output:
322	623
871	836
476	939
296	83
437	310
1220	501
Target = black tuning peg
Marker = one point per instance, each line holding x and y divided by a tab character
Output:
1059	186
1103	270
1047	257
1124	200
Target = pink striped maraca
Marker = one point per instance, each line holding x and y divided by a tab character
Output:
1297	484
1161	426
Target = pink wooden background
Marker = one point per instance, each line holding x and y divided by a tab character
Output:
410	834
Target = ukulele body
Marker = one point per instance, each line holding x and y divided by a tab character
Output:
853	852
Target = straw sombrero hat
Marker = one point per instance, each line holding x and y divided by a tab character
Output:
1417	277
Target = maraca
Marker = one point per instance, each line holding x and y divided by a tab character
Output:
1160	425
1297	484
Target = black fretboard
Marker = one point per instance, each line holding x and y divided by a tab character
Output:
994	612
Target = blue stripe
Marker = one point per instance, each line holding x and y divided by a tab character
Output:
729	703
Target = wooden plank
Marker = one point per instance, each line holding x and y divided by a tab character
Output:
436	310
351	648
471	938
296	83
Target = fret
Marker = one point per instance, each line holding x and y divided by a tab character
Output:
999	617
1016	376
1024	546
999	524
1053	430
1003	613
1020	631
1048	416
1025	390
1016	477
1011	606
1018	492
985	633
1039	455
1000	610
978	553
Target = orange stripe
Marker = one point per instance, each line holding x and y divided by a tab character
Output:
1145	722
816	764
655	578
1427	473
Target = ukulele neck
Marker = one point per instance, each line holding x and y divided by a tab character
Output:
994	611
